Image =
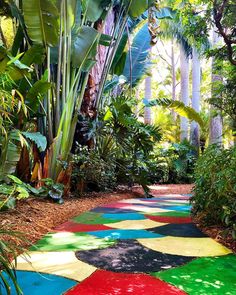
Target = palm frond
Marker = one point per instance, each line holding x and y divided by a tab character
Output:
179	107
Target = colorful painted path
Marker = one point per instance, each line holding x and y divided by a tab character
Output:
137	246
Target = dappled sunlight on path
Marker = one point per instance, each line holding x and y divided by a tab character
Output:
135	246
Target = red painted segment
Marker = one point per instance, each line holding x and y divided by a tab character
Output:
103	282
73	227
170	219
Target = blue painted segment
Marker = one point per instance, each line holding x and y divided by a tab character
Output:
177	208
34	283
123	234
112	210
124	216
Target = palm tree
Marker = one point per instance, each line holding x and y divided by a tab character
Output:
148	97
184	92
216	123
196	97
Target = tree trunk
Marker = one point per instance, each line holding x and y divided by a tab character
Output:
196	98
216	122
148	96
173	70
173	73
184	84
95	75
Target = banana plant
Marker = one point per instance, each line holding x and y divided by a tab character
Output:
64	32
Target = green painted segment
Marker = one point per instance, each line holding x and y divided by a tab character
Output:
70	242
172	213
93	218
210	275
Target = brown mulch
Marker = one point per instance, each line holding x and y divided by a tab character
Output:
35	217
216	232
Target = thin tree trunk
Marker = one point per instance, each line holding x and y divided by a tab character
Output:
184	84
148	96
173	72
196	98
216	122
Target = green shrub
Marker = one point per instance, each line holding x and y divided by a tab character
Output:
92	172
215	187
175	163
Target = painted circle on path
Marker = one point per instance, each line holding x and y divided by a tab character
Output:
105	282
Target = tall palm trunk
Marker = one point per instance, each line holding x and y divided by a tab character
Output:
216	122
173	70
148	96
173	73
196	98
184	84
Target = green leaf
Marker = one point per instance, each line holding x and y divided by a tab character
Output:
37	93
137	58
105	40
84	47
138	7
36	54
93	9
179	107
22	193
9	203
15	179
39	139
6	189
42	21
9	159
165	13
119	54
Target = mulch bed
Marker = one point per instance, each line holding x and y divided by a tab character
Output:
217	233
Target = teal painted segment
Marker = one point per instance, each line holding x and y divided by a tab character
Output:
93	218
124	234
65	241
34	283
204	276
124	216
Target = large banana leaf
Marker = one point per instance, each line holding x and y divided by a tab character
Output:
10	155
42	21
138	7
36	54
93	9
37	138
177	106
84	48
137	61
117	66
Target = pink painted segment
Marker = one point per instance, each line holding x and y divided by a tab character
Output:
170	219
73	227
103	282
115	205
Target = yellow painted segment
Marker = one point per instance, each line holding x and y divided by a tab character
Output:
136	224
58	263
199	247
